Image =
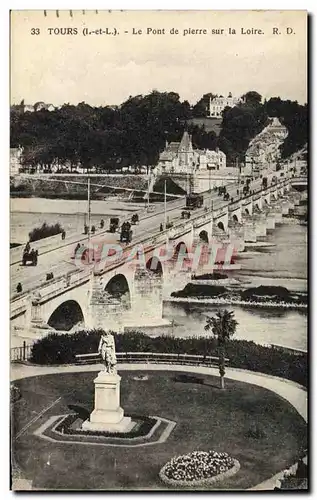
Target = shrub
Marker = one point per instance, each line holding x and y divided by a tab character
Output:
44	231
193	290
210	276
278	292
15	393
62	348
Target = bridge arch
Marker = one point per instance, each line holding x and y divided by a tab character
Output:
247	211
221	226
235	218
203	236
67	315
118	288
155	266
180	247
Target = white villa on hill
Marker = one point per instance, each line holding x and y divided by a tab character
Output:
218	104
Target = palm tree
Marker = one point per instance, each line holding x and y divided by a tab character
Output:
223	326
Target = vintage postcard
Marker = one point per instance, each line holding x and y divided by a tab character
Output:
158	250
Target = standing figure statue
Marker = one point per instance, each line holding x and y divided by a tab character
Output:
108	352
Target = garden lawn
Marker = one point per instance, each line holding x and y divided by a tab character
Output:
207	419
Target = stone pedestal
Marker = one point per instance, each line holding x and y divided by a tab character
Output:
107	415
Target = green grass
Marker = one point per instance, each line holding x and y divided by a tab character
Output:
207	418
211	124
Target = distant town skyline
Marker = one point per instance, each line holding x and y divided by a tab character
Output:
106	70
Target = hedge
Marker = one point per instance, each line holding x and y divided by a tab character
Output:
62	349
44	231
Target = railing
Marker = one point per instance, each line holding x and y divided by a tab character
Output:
47	289
18	305
152	240
153	358
22	353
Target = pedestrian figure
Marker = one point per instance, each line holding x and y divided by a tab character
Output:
161	227
19	288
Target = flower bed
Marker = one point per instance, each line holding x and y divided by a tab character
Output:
199	468
143	426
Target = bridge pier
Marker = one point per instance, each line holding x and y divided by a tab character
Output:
285	206
106	311
260	225
236	236
270	218
147	299
249	230
277	212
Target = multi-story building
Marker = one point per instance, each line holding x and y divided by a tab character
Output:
218	104
15	160
181	157
264	150
178	157
212	160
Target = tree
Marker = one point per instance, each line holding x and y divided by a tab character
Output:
201	108
252	97
223	326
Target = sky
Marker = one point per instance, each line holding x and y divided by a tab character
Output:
107	69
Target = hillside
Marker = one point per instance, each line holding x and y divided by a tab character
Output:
211	124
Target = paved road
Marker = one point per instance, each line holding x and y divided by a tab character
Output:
58	257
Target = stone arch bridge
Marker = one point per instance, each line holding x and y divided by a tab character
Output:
129	291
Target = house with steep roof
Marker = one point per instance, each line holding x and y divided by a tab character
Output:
181	157
178	157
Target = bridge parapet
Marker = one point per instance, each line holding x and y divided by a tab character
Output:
247	200
61	284
204	219
180	230
19	305
235	206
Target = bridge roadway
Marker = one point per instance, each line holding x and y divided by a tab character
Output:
59	260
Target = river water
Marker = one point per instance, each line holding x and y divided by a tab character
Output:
28	213
284	264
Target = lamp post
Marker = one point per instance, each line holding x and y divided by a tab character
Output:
209	179
89	217
148	190
164	204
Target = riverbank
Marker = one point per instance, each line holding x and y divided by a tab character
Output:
73	186
220	301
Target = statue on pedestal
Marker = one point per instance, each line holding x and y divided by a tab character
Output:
107	416
107	351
